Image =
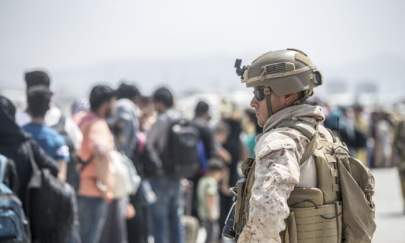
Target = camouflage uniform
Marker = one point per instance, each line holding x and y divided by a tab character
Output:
277	172
303	186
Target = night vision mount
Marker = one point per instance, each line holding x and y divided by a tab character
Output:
239	70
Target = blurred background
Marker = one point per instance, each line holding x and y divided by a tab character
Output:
190	46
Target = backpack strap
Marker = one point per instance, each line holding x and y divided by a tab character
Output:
35	180
31	156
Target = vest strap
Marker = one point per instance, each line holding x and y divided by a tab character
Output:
309	130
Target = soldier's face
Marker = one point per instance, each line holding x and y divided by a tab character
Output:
277	103
262	112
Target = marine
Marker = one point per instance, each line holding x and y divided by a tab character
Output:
297	187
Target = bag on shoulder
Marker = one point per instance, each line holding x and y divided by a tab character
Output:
125	176
51	205
14	226
180	157
357	187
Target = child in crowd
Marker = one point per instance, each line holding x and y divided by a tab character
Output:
208	199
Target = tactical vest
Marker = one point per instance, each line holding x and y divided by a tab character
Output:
339	209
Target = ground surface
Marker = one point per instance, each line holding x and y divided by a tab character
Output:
388	200
390	217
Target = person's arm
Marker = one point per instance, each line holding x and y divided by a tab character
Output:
101	144
62	170
276	174
156	133
62	155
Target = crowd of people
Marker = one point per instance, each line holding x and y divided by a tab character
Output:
122	166
369	132
127	167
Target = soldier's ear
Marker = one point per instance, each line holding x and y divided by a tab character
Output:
291	98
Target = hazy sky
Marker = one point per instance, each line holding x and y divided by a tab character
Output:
59	34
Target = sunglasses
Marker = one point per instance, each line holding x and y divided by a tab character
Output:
259	94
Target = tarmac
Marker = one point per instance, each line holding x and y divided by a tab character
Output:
389	207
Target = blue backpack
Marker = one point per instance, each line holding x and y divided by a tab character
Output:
14	226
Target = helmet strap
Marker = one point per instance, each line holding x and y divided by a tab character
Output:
267	92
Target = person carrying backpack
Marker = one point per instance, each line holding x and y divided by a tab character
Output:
51	141
172	145
14	227
124	124
302	186
47	202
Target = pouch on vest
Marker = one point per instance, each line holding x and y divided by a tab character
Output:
314	224
310	220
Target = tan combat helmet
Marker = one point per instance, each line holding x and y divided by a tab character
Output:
284	72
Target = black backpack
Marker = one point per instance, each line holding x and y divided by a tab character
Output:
14	226
180	157
50	205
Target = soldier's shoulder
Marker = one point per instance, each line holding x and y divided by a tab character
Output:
277	139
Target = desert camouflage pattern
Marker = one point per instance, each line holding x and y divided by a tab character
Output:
277	172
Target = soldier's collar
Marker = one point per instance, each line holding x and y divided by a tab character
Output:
294	112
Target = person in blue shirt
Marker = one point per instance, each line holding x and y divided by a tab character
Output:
38	99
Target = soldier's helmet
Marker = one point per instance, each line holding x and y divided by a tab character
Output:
284	71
